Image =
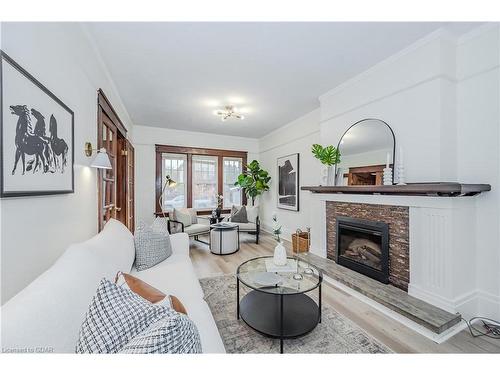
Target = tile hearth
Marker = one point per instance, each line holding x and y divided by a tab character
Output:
422	313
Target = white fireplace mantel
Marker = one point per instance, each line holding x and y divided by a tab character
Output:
442	245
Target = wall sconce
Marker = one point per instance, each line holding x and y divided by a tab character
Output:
101	160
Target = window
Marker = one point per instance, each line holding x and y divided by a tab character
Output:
204	182
201	174
174	165
232	169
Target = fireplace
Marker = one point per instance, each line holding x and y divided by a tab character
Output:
363	246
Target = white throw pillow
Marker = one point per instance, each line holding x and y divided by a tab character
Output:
252	213
194	215
184	216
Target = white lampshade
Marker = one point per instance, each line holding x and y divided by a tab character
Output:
101	160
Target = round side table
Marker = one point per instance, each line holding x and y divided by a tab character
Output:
224	238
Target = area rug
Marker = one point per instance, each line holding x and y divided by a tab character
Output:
335	334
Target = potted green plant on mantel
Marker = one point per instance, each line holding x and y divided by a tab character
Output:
254	180
328	156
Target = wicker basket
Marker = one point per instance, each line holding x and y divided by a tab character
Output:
300	242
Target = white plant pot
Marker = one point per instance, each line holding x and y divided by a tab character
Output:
280	258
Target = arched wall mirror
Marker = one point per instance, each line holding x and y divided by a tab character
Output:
365	148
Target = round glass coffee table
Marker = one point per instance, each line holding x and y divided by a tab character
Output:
277	305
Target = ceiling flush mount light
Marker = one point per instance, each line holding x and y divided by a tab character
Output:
228	112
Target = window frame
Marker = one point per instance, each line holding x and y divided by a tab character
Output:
189	152
229	158
215	162
178	157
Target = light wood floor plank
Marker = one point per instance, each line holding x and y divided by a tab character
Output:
391	333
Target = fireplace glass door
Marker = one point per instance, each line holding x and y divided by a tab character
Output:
363	247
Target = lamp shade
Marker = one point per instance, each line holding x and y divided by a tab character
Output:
171	183
101	160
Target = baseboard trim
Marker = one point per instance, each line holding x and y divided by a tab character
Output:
437	338
488	305
469	305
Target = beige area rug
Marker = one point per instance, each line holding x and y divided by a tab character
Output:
335	334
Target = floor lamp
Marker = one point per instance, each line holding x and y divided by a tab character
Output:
170	184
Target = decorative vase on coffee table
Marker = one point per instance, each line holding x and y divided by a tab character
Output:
279	257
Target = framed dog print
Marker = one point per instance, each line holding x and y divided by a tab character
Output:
288	182
36	134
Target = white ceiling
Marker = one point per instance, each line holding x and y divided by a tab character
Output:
174	75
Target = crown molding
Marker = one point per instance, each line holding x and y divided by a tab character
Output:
440	33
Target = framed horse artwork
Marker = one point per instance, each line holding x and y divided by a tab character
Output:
36	136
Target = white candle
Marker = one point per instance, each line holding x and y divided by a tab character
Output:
387	160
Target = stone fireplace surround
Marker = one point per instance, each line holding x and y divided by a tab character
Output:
440	248
397	217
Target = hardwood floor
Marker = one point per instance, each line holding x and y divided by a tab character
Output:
388	331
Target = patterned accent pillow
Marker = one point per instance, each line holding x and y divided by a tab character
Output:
114	317
151	247
160	224
239	215
174	334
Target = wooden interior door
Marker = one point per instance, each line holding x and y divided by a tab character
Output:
112	183
125	211
107	177
130	193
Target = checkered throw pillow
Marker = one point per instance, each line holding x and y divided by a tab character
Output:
174	334
152	246
115	316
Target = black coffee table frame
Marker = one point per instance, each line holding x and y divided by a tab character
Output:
280	316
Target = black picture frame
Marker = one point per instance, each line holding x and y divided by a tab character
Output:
288	189
6	59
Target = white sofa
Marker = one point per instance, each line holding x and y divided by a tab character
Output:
47	314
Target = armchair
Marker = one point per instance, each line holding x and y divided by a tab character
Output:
192	230
253	225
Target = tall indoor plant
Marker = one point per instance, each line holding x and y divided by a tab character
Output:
254	180
329	156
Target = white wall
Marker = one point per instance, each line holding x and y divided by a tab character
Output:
407	92
296	137
36	230
145	138
441	98
478	124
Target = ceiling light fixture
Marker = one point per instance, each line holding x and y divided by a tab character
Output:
229	112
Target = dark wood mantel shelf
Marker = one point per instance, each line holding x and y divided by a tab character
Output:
436	189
